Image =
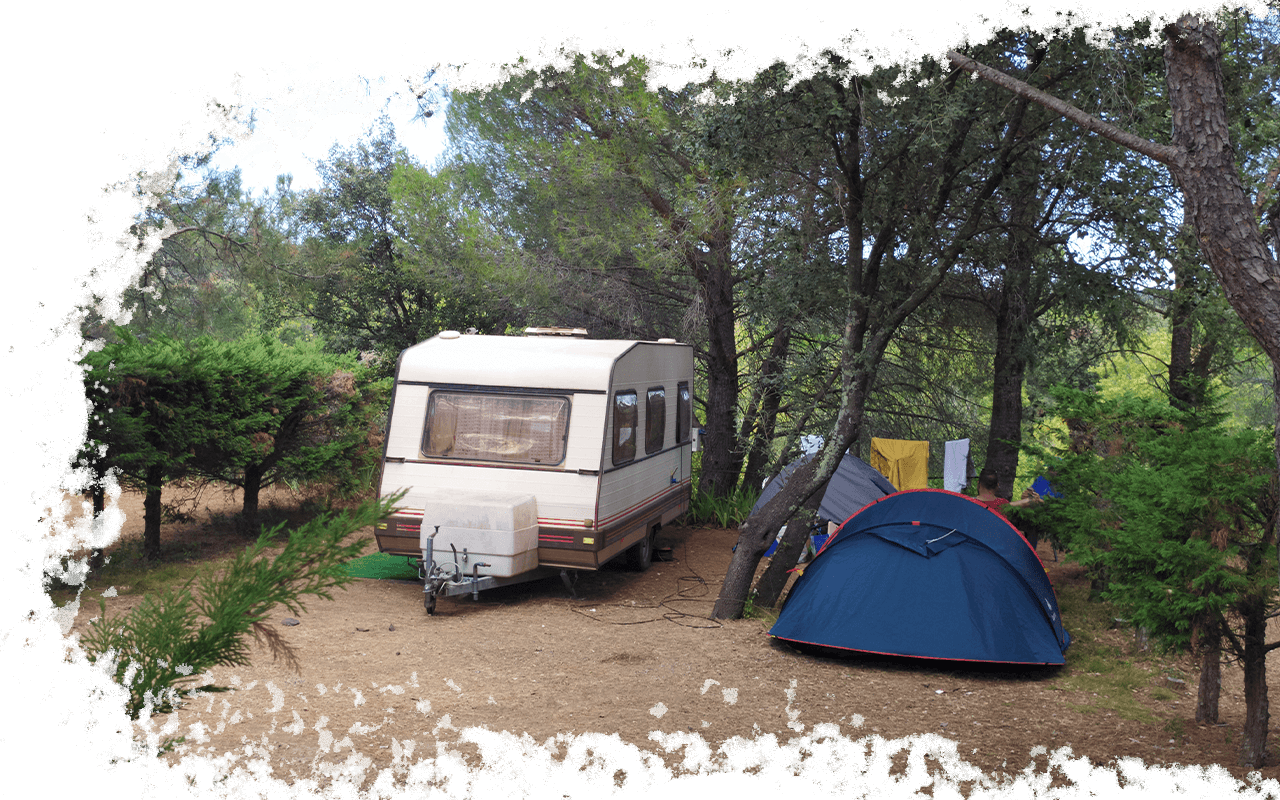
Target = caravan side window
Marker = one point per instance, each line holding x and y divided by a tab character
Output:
684	412
655	420
625	417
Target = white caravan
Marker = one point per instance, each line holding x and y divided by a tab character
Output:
523	455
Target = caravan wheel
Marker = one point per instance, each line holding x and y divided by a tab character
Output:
640	556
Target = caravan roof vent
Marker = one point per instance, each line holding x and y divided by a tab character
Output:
665	340
577	333
449	334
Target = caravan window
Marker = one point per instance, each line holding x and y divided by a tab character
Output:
684	412
655	419
624	427
474	426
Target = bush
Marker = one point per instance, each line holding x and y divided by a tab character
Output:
726	511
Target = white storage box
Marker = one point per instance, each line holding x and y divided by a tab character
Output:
495	528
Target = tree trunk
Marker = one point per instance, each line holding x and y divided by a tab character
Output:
721	459
253	475
1189	364
1015	311
97	557
1004	440
1013	326
151	513
1253	750
794	541
1182	387
1210	686
765	418
1206	171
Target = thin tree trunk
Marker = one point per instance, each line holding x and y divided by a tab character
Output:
766	416
97	557
151	513
1016	305
1013	326
1253	750
1210	687
252	491
1188	364
1181	328
774	578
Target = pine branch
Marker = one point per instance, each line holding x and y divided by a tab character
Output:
1165	154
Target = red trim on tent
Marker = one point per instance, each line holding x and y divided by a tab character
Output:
928	658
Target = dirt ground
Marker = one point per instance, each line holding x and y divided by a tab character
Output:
381	682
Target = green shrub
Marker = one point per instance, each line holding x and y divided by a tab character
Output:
726	511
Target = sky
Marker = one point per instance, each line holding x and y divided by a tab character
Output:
327	119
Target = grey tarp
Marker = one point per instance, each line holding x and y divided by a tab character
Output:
854	484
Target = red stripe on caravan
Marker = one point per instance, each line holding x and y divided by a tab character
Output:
642	503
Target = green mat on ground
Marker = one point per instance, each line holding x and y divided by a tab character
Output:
382	565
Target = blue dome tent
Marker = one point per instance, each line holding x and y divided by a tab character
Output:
930	574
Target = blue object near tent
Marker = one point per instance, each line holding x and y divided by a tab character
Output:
930	574
817	540
1042	487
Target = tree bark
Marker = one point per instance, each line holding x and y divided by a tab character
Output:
765	416
1210	687
1253	750
97	557
1205	169
799	528
721	461
253	475
151	513
1013	327
1182	387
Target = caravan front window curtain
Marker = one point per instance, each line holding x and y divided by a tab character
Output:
473	426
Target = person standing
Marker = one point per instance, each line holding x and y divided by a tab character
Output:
987	483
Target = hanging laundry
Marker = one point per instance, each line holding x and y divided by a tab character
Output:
904	463
957	466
